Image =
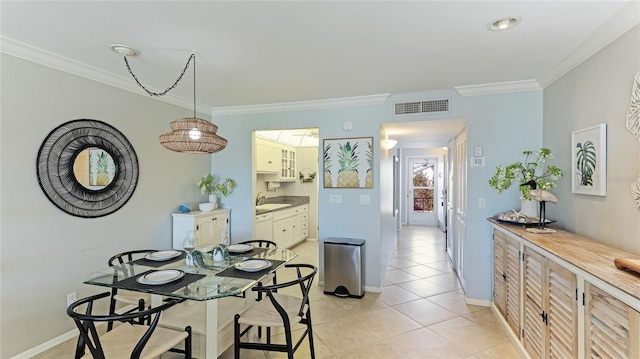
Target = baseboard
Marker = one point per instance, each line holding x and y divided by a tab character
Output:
478	302
72	334
48	345
513	338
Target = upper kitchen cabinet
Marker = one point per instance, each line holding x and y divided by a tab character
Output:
267	156
287	164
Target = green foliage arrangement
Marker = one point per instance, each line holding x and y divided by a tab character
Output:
209	185
523	173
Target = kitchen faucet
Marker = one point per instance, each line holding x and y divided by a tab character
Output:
259	198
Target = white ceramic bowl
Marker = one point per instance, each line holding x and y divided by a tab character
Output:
206	207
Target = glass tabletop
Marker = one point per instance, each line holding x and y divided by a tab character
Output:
199	283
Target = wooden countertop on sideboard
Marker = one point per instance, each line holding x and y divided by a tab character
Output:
592	257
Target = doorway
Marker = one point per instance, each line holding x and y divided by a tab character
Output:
421	190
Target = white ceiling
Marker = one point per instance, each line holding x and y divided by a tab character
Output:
267	52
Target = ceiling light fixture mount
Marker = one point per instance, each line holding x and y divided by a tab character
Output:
504	23
189	134
125	50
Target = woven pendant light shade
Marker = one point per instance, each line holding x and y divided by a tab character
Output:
193	135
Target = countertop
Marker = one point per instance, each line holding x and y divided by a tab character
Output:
292	200
590	256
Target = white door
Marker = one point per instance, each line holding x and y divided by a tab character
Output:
421	193
460	206
449	202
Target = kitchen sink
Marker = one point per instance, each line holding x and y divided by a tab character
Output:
271	206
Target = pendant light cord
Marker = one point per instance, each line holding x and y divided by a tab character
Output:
151	93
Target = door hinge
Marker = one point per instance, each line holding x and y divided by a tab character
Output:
521	332
583	299
576	294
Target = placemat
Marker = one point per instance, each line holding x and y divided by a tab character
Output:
254	252
156	264
235	273
132	284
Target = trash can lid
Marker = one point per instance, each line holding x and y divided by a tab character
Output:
345	241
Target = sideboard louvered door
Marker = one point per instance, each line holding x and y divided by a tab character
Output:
500	273
562	309
513	285
534	326
506	277
612	328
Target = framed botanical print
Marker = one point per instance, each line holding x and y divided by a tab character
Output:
589	160
348	162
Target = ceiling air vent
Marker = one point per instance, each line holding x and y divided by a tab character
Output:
409	108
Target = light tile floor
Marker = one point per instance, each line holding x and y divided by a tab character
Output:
421	312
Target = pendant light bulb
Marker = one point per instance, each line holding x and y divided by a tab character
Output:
195	134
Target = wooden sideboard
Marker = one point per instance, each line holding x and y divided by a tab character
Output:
560	295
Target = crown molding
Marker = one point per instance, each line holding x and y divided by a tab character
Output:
49	59
618	24
498	88
303	105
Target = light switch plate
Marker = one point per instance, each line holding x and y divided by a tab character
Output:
364	199
335	198
477	151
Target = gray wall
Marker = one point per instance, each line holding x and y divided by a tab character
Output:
598	91
46	253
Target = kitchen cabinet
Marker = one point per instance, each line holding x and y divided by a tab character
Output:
287	163
207	225
550	308
573	301
290	225
267	156
506	278
264	226
613	328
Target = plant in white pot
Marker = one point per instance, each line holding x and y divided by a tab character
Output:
531	174
209	185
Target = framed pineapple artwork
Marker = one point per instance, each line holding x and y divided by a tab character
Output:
348	162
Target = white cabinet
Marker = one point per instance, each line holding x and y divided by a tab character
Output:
287	163
506	278
264	226
207	225
267	156
290	226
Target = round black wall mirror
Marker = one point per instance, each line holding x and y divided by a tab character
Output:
87	168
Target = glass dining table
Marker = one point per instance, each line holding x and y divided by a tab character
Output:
212	290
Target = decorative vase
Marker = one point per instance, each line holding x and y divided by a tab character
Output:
529	207
214	200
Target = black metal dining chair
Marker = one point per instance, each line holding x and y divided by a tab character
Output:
126	297
279	310
132	337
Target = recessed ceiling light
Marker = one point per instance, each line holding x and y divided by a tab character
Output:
125	50
504	23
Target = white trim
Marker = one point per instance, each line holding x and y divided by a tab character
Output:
478	302
48	345
498	88
513	338
49	59
302	106
618	24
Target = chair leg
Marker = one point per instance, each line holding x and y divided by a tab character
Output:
188	354
310	334
287	333
236	337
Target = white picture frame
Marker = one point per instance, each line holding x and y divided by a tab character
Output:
589	160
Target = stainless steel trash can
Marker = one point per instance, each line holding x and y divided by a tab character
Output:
343	267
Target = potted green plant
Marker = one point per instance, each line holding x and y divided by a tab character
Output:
533	173
209	185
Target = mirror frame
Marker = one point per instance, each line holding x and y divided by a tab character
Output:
54	167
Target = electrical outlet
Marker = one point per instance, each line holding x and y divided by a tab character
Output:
335	198
71	298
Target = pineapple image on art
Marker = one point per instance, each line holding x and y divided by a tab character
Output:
348	160
327	167
103	176
368	183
